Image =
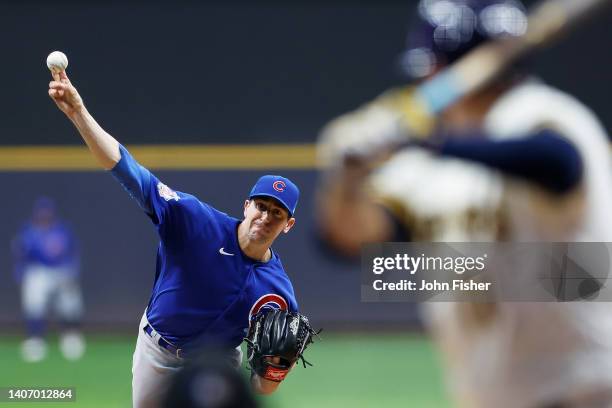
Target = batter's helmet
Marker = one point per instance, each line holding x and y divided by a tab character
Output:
444	30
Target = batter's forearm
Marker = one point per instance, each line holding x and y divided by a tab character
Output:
348	217
102	145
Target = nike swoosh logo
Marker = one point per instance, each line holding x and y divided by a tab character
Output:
222	252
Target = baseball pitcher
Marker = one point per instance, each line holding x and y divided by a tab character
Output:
216	275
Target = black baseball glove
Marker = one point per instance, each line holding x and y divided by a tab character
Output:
277	333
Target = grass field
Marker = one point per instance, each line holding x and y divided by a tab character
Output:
350	371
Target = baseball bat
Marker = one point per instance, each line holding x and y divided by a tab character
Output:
546	21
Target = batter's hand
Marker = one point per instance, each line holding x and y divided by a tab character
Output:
64	94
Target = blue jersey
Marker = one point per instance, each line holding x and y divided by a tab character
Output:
53	247
205	288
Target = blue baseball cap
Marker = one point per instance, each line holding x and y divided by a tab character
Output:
278	187
44	203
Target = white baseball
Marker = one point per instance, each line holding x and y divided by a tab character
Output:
57	61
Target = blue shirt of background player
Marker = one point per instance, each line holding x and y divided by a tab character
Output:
205	288
45	241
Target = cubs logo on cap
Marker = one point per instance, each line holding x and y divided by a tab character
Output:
278	187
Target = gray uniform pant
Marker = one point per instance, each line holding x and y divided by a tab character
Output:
152	368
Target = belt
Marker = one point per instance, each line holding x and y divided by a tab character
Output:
178	352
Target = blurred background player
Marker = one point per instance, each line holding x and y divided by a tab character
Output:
517	160
47	268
